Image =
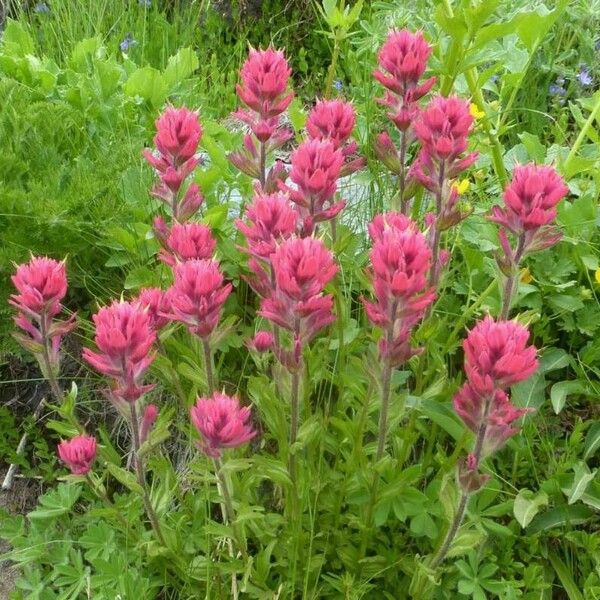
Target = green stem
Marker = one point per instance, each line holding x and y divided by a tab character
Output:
47	363
227	506
208	366
294	421
263	164
332	67
582	135
139	470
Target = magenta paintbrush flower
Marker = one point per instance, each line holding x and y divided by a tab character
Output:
269	219
198	295
222	423
178	133
124	336
316	167
41	285
529	210
402	62
334	120
148	419
265	76
156	303
186	242
401	259
302	268
78	453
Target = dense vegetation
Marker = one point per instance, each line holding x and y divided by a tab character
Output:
328	510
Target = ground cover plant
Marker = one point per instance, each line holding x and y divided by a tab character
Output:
340	346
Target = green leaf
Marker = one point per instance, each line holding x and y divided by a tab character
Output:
56	502
582	478
527	505
570	587
562	516
592	441
124	477
16	41
148	84
562	389
180	67
443	415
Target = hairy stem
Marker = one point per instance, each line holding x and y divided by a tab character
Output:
208	366
139	469
510	283
295	418
262	164
47	363
402	176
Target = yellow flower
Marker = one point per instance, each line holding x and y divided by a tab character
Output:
475	112
597	275
526	276
461	186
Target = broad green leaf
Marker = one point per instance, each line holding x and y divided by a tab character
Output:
527	505
56	502
581	479
127	478
592	441
148	84
16	41
562	389
180	67
562	516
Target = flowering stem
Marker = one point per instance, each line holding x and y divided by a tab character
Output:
462	505
295	417
510	282
139	469
386	379
47	363
402	174
208	365
227	505
262	167
435	244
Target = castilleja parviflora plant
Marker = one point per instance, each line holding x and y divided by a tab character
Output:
260	435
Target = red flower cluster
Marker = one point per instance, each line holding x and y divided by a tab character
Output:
269	219
124	336
222	423
264	90
177	138
402	62
529	210
401	261
78	453
197	295
156	304
443	129
334	120
496	357
316	167
186	242
302	268
41	285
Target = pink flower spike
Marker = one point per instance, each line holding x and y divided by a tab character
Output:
530	199
41	285
148	419
443	128
222	423
270	219
402	62
497	354
186	242
78	454
262	341
155	302
331	120
198	295
178	134
124	336
265	76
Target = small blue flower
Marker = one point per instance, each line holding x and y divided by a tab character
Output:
145	3
127	43
338	85
556	90
584	76
41	8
